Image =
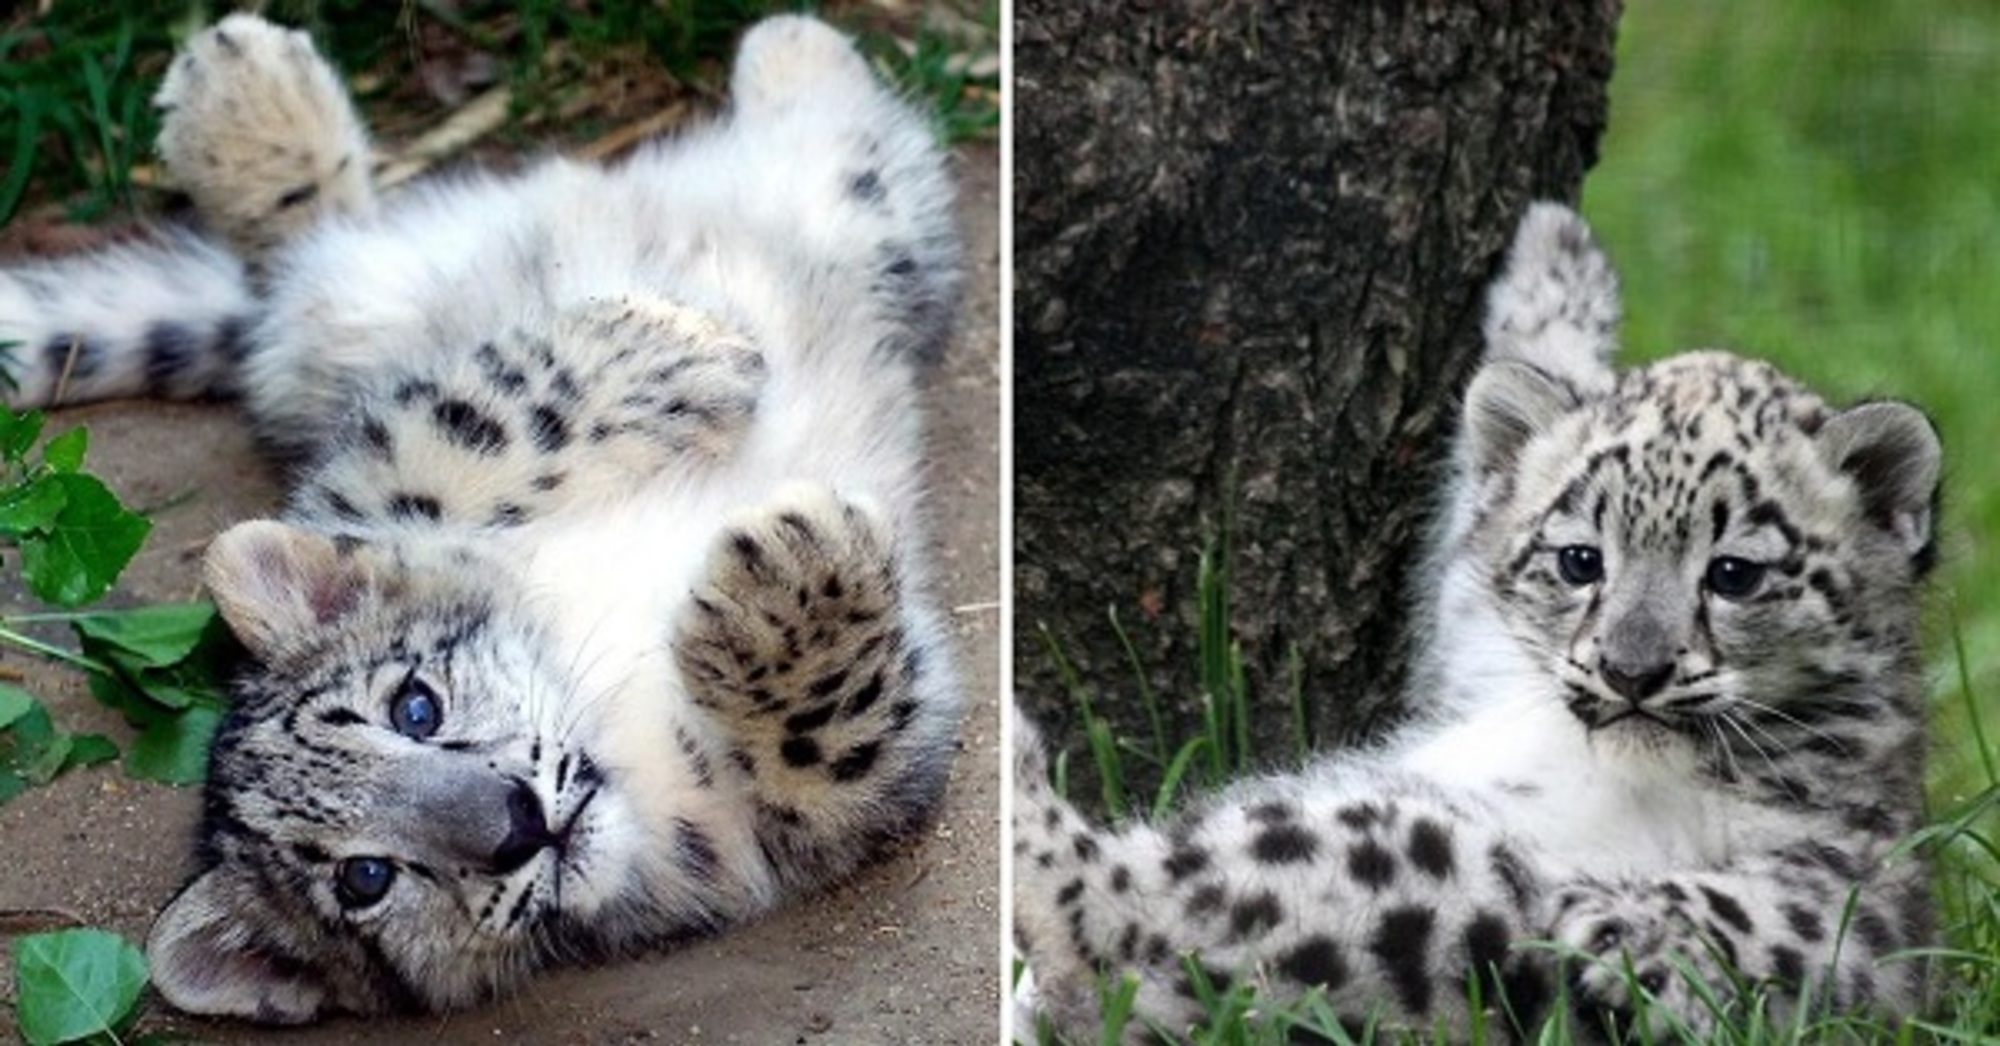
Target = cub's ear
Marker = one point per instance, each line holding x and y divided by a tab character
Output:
277	586
207	957
1891	452
1507	404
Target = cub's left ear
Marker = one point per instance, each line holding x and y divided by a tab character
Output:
1891	451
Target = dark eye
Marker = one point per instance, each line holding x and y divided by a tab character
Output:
361	881
415	711
1580	564
1733	578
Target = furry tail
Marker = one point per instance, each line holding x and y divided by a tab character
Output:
166	318
1555	305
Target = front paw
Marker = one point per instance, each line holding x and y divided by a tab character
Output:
1637	962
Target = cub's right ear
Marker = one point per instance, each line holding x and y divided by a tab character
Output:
1506	405
277	586
206	956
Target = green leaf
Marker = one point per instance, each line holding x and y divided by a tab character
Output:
31	506
18	432
15	703
64	453
89	750
90	542
174	749
73	984
153	636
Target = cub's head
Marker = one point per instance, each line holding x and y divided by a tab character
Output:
1701	548
397	815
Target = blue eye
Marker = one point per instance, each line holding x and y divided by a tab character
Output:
415	711
1580	565
359	882
1733	578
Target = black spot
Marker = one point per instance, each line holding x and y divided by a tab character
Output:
1254	915
415	506
867	187
862	699
1206	900
170	350
1371	865
1486	940
1121	879
1273	812
341	717
1873	931
231	339
469	427
828	684
811	719
1284	844
1069	893
508	514
1316	962
548	429
800	751
301	195
1402	945
1805	922
1788	964
857	762
377	436
1360	815
1430	848
695	851
411	391
1725	906
1185	861
1086	847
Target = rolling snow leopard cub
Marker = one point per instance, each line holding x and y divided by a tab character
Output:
1672	722
597	617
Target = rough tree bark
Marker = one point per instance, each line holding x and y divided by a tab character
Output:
1251	242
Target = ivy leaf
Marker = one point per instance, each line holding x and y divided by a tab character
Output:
89	750
74	984
64	453
90	542
173	749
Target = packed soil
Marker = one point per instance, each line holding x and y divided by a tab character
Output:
908	951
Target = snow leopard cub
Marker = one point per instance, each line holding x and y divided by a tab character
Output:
597	617
1671	722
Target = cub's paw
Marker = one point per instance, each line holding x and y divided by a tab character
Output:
1637	960
792	57
257	129
795	643
663	383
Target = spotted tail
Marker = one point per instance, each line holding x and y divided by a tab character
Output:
166	318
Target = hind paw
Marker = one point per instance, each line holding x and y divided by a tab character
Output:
791	57
259	132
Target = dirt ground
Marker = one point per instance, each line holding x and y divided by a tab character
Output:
906	952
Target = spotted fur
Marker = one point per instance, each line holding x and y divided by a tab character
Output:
597	616
1671	723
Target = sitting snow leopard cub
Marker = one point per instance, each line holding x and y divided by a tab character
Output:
1671	722
597	617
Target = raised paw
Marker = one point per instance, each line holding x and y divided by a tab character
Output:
796	644
1638	960
258	131
791	57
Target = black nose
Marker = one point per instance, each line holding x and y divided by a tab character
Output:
1636	682
527	830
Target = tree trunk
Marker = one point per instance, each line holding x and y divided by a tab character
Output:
1251	246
